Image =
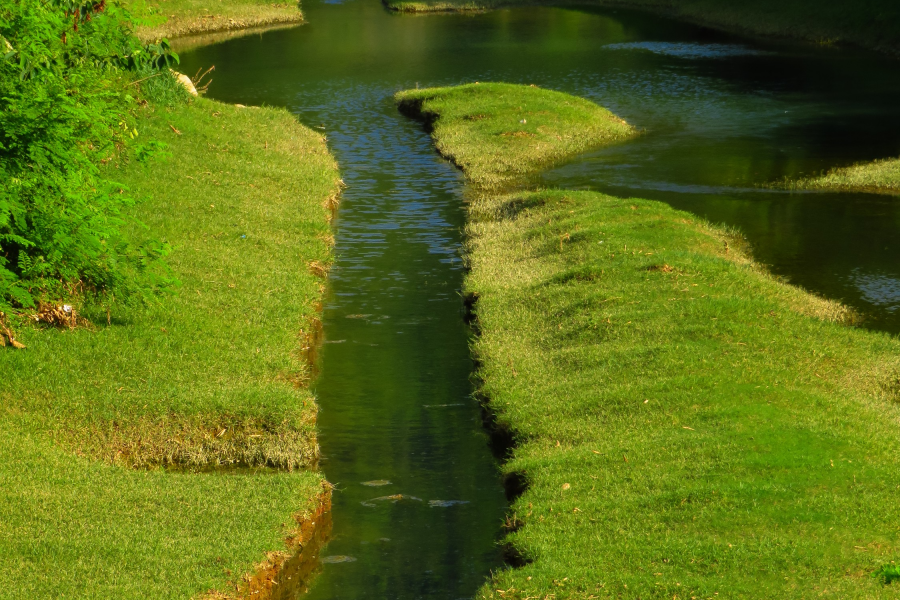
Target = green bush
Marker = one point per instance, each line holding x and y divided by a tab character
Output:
66	74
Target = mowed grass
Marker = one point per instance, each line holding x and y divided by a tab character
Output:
201	381
212	376
499	133
880	177
867	23
215	374
686	425
173	18
71	527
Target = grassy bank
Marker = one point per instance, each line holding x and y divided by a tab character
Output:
880	177
176	18
211	376
869	23
499	133
686	425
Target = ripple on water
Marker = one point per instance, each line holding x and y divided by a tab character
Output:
878	289
330	560
445	503
376	483
689	50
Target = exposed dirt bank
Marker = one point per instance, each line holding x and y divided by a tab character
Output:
286	574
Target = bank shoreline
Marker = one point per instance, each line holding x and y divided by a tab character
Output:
292	567
671	402
287	573
236	16
123	426
876	177
741	21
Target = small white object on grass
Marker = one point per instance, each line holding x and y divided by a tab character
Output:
185	81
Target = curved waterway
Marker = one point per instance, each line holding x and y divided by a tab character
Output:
419	506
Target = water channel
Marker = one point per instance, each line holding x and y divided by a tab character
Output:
722	115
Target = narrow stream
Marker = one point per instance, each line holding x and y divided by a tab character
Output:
722	115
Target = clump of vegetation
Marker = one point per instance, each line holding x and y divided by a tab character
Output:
501	133
686	424
65	108
887	574
880	177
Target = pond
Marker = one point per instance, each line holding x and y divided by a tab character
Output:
419	505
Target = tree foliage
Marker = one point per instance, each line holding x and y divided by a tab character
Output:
65	108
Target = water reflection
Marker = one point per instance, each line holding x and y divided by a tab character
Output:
688	50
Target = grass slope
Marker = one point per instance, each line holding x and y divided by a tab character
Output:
499	133
687	425
882	177
867	23
75	528
174	18
210	376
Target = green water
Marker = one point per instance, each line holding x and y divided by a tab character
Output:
722	115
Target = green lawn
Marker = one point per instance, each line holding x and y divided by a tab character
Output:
71	527
173	18
868	23
687	426
499	132
881	177
214	375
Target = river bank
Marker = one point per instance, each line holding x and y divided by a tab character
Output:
499	133
210	377
872	24
181	18
684	424
878	177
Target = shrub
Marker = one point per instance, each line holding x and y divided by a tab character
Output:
65	108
